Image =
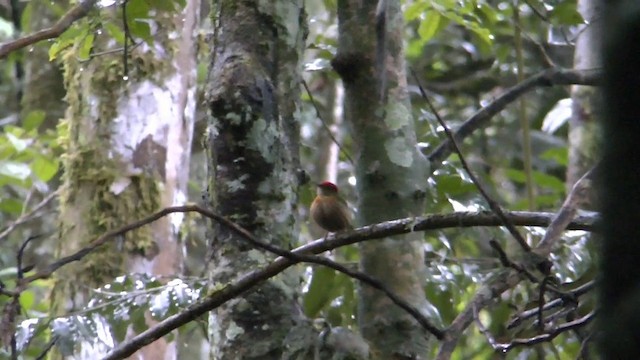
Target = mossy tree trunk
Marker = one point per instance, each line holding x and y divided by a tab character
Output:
391	173
127	140
253	98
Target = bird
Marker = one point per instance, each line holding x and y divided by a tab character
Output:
329	210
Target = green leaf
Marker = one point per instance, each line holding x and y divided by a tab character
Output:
25	18
66	39
19	144
140	29
453	185
33	120
27	299
319	294
415	10
45	168
165	5
548	181
565	13
429	26
84	51
115	32
11	206
137	9
559	155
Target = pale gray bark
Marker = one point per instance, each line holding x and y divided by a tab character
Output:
391	173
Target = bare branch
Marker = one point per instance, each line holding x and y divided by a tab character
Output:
77	12
324	123
575	324
289	258
567	300
549	77
370	232
577	196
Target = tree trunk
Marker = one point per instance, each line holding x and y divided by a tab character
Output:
586	104
391	173
619	193
128	141
254	177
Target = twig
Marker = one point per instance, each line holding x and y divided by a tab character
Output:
77	12
568	299
483	330
577	196
508	279
28	216
127	36
492	203
324	124
20	255
46	350
504	260
575	324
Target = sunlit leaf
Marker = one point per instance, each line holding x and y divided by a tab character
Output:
45	169
429	26
15	170
33	120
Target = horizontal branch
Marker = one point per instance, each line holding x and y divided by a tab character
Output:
549	77
246	282
77	12
377	231
547	336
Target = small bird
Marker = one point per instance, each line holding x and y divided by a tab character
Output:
328	210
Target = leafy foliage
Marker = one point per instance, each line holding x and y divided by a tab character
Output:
463	53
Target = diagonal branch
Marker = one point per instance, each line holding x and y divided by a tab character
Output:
508	278
549	77
77	12
493	205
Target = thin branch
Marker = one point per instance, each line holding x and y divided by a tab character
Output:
249	280
509	278
549	77
46	350
506	262
566	300
77	12
495	207
578	196
324	124
20	256
376	231
575	324
28	216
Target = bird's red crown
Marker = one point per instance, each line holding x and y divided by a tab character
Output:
328	185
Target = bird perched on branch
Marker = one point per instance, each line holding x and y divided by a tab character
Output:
329	210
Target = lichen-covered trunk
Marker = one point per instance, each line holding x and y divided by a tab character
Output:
584	128
253	98
391	173
127	145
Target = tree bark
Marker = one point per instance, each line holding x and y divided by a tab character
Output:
253	141
127	148
584	126
391	174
